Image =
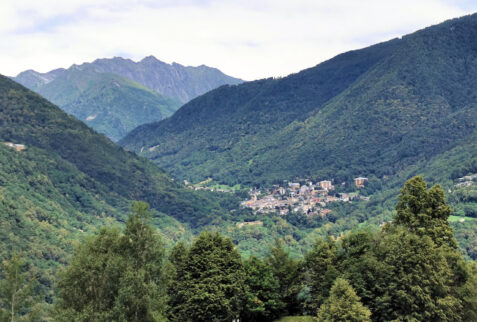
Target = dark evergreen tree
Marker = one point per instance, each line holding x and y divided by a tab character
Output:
410	270
417	277
425	213
288	273
175	273
322	267
359	265
263	302
213	286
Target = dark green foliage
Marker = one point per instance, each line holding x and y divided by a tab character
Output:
263	299
27	118
397	275
287	271
368	112
389	112
213	286
417	280
70	179
409	270
322	266
115	276
175	274
438	170
343	305
359	264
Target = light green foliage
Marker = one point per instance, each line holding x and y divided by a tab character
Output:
213	286
297	319
425	212
115	276
110	104
263	301
17	294
343	305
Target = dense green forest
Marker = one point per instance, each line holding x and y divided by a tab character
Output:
409	270
70	179
111	104
390	112
387	112
372	112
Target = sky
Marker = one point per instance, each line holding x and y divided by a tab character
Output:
250	39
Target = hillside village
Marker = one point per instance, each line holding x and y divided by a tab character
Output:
309	198
466	181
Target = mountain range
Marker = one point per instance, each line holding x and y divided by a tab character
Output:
115	95
372	112
388	112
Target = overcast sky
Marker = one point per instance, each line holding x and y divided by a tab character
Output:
249	39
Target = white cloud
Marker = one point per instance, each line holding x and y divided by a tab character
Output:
249	39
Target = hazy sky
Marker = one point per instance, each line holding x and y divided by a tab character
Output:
249	39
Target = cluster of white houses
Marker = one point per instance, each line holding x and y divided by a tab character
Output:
466	181
309	198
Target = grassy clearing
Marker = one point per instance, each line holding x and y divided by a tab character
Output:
458	218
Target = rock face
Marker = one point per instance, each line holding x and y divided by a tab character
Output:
176	81
34	80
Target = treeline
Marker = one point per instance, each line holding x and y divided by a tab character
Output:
410	270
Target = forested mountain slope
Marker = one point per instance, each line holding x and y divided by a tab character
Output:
369	112
68	179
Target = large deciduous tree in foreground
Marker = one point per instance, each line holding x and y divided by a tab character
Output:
115	276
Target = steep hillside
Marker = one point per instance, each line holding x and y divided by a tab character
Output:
29	119
109	103
369	112
69	179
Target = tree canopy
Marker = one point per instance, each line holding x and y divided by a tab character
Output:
343	305
115	276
